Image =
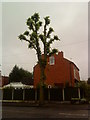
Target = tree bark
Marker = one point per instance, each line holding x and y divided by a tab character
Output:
42	79
41	97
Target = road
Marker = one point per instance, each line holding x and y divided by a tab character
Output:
50	111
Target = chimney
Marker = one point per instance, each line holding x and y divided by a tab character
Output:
60	54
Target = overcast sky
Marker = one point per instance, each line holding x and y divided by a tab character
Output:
70	23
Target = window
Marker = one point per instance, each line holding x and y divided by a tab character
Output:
74	73
52	60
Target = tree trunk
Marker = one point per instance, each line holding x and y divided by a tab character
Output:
41	97
42	79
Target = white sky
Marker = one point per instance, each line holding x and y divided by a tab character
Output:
70	23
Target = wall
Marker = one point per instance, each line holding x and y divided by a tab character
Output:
5	80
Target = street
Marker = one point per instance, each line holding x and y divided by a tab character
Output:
49	111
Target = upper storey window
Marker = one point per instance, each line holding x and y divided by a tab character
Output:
51	60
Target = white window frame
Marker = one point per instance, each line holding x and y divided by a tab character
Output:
51	60
75	74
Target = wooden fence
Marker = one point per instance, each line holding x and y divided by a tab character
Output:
50	94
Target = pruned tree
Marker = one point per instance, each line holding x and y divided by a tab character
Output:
33	37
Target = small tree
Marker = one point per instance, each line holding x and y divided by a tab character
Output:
33	37
88	81
83	85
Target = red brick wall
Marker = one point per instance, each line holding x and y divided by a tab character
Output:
4	81
59	73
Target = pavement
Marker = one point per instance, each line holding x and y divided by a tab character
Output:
52	110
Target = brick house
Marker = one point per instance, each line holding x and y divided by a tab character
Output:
4	80
59	71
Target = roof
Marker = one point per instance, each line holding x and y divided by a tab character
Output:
64	59
72	63
18	85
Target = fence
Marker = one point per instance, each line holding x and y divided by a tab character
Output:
50	94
